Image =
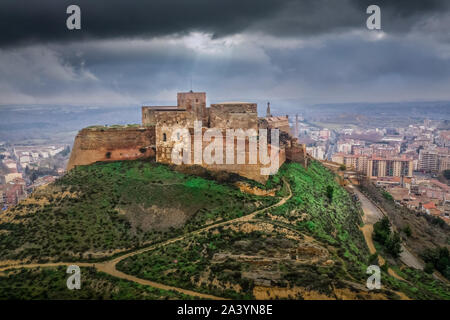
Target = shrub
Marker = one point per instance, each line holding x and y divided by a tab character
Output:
381	230
373	259
439	258
407	231
391	241
394	245
330	191
387	196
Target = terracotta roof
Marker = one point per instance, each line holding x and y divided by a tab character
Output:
429	205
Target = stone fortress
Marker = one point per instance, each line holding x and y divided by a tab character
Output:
152	139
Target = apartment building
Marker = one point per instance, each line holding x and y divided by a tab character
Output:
355	161
434	160
376	166
389	167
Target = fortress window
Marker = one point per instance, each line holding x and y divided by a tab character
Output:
164	137
178	136
108	155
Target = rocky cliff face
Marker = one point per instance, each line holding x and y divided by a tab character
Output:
111	144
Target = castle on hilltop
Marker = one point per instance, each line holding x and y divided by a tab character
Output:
154	138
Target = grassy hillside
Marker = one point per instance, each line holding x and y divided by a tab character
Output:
310	247
50	283
98	210
311	243
322	208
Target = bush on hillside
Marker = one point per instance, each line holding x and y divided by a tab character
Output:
390	240
439	259
387	196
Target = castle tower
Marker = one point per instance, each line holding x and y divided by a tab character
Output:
194	103
296	126
268	114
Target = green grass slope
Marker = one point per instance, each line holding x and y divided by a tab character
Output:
95	210
310	247
50	283
319	208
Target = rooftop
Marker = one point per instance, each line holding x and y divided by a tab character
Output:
276	118
161	107
113	127
234	102
429	205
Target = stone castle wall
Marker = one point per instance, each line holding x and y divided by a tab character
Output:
281	123
233	115
150	114
250	171
168	123
112	144
296	152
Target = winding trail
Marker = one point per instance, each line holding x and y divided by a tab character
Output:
370	217
109	267
372	214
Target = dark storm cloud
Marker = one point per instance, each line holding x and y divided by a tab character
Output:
312	17
133	72
45	20
310	51
348	60
25	21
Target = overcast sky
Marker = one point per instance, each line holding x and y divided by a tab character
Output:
134	52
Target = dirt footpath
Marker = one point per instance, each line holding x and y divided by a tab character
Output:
371	215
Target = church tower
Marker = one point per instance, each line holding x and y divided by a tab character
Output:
268	114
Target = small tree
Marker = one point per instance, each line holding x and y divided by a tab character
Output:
330	191
391	241
407	230
394	245
382	230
